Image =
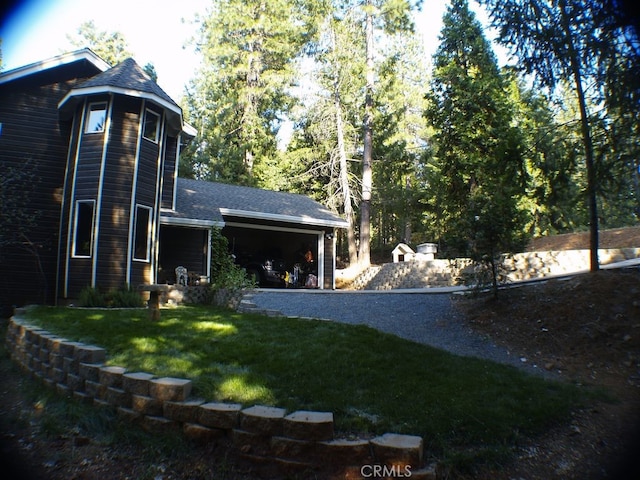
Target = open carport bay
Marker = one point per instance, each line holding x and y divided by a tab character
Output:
288	245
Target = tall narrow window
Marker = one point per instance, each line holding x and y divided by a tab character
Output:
142	234
151	126
83	229
96	117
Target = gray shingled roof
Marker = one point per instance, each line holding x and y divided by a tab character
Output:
128	75
209	201
126	78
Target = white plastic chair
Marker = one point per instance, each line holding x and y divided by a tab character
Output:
182	276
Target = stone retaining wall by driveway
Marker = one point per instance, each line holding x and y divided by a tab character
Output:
291	441
518	267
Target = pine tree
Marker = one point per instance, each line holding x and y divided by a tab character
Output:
242	93
391	16
555	186
477	165
329	138
111	47
589	47
402	133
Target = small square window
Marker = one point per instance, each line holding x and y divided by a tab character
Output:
151	126
96	118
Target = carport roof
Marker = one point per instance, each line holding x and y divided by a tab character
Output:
209	203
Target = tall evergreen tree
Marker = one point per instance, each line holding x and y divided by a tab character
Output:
329	137
477	163
391	16
242	92
112	47
554	197
402	133
584	44
333	126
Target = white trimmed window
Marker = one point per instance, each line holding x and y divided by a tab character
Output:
96	117
83	228
151	126
142	234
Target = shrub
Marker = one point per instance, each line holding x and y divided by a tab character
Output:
124	297
91	297
225	273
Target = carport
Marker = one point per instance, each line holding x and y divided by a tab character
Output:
257	223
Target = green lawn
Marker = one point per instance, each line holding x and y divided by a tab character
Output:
373	382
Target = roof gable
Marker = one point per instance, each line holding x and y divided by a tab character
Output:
83	55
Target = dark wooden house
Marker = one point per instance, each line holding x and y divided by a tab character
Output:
89	158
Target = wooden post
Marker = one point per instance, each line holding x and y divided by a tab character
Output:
154	305
154	299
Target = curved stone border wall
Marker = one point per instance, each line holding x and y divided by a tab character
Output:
292	441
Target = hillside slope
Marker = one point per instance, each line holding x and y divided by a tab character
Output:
628	237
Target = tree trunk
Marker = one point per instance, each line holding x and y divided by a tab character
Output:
586	139
367	175
406	238
251	109
254	71
344	179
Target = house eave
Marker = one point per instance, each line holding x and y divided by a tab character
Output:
276	217
175	120
189	130
64	59
189	222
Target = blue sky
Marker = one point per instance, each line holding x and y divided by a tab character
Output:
157	32
154	30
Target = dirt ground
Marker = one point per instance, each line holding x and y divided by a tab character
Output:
628	237
585	328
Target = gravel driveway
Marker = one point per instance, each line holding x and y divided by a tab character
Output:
424	317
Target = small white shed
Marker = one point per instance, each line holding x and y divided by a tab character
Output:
402	253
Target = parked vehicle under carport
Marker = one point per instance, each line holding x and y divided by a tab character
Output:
265	271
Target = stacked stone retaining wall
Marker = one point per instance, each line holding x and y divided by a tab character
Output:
202	294
519	267
529	265
266	435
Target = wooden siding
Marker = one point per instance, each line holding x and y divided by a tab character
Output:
33	138
116	210
63	243
127	160
146	191
79	276
87	170
168	180
83	183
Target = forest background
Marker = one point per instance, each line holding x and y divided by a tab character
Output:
454	149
